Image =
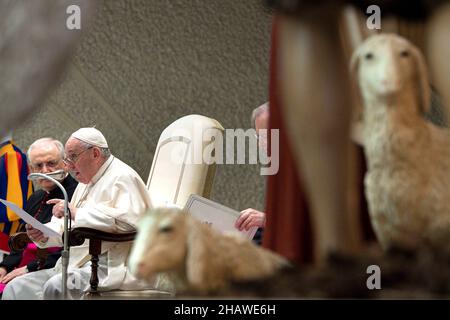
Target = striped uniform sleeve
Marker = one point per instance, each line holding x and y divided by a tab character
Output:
14	186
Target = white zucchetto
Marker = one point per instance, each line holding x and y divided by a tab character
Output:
92	136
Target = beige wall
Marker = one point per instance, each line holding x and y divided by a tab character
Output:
144	63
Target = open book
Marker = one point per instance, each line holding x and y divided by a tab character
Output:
218	216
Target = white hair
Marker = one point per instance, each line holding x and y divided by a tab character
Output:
57	144
259	111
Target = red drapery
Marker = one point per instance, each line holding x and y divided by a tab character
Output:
288	230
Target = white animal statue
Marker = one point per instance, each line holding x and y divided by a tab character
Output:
193	256
407	184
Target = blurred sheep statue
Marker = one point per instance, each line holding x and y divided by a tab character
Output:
408	178
193	256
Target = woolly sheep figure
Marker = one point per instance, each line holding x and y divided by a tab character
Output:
408	178
192	255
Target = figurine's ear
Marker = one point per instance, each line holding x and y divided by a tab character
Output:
357	101
354	62
421	79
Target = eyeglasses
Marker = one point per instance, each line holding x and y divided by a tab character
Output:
49	164
73	159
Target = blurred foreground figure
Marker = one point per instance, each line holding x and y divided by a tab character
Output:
438	52
313	97
35	45
310	91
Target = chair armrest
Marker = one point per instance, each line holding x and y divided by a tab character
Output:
77	236
18	241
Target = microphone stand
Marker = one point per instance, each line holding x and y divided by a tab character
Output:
65	252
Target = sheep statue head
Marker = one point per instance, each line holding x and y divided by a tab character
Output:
407	183
194	256
386	65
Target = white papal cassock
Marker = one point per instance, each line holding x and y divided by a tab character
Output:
113	202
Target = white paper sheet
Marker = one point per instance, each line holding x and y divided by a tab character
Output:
218	216
30	220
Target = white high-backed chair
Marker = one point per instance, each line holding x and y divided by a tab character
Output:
182	165
182	161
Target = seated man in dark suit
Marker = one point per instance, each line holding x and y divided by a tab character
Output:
45	155
250	217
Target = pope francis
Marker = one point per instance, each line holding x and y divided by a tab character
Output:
110	197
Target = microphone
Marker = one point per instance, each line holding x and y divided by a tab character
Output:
57	175
54	177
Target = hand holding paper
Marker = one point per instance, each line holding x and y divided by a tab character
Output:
218	216
250	218
30	220
35	234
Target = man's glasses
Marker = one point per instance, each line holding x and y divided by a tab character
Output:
49	164
72	160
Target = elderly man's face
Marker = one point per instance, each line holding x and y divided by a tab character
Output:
44	158
262	122
81	162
